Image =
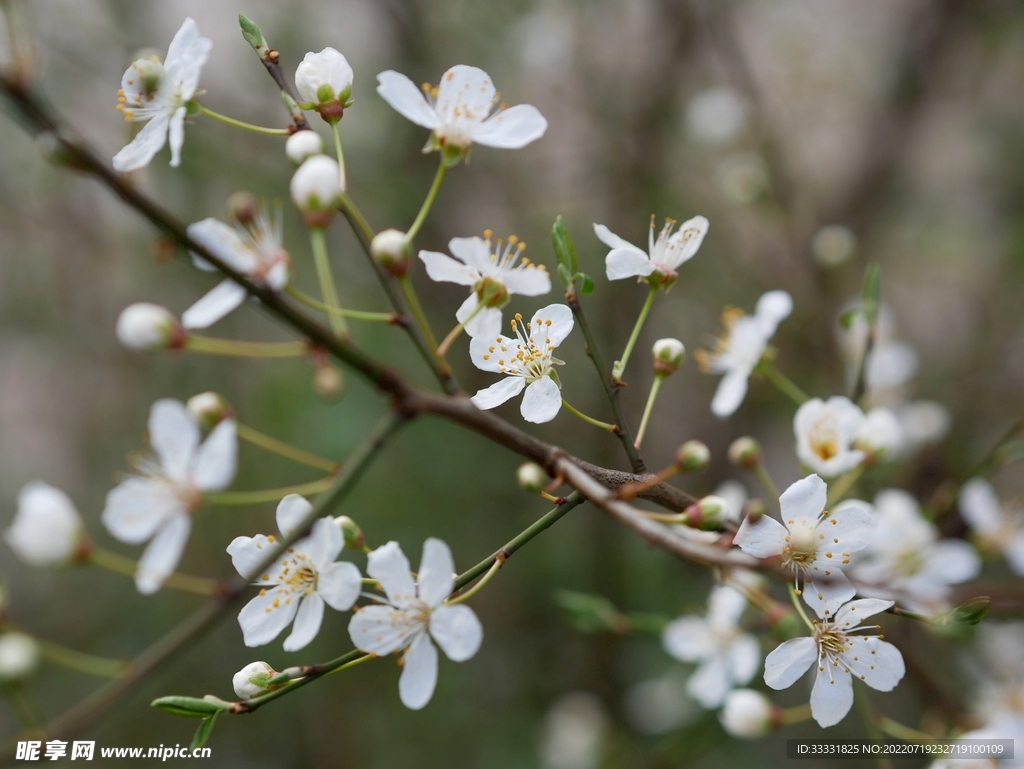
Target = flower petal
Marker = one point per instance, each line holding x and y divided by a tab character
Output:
186	56
262	621
457	630
710	682
1013	551
688	237
772	308
498	393
980	506
528	281
846	530
725	607
790	660
247	553
147	142
214	305
612	240
744	655
486	324
382	630
688	639
389	566
291	511
878	663
174	436
163	554
561	322
853	613
627	263
137	507
512	128
541	402
324	543
308	619
443	269
216	462
436	577
223	241
465	95
406	99
732	389
804	500
176	135
832	695
475	253
339	585
419	673
764	538
826	593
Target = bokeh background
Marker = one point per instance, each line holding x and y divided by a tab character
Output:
894	124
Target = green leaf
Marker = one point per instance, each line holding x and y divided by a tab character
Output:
871	292
251	32
847	318
565	253
587	285
971	612
564	276
203	732
188	707
591	613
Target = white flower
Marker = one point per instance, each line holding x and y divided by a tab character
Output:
256	251
493	274
728	657
924	422
663	256
325	77
825	431
669	355
299	583
316	186
157	505
252	680
526	362
999	528
414	613
302	145
19	656
881	436
159	93
814	546
747	714
459	110
148	328
905	558
838	655
47	528
739	350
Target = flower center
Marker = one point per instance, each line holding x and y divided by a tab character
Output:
532	358
800	549
824	438
298	574
831	641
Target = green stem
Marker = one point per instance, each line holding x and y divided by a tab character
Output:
843	484
785	385
445	345
655	386
256	438
306	299
239	124
765	481
795	715
428	202
342	181
101	667
620	365
119	564
323	273
585	418
498	563
800	608
359	223
902	732
25	709
417	313
266	495
237	349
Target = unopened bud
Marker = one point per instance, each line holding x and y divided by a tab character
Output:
329	382
302	145
747	714
745	452
209	409
531	477
971	612
243	208
253	680
707	513
669	355
47	528
316	189
149	327
19	656
391	251
354	537
754	509
692	456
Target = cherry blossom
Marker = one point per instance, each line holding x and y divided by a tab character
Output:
664	254
997	527
825	432
47	528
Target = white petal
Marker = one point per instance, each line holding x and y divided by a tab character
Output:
291	511
980	506
627	263
725	607
561	322
855	612
688	639
443	269
612	240
498	393
710	683
541	402
224	242
181	44
215	304
528	281
1013	551
465	95
247	553
147	142
487	323
804	500
762	539
308	619
261	621
772	308
339	585
744	656
46	528
951	562
436	577
879	664
406	99
512	128
216	462
846	530
789	661
457	631
475	253
689	236
176	135
163	554
732	389
826	593
831	697
382	630
137	507
174	436
186	56
324	543
481	346
388	565
419	673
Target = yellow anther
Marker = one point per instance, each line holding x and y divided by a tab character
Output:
512	240
487	234
547	323
521	245
426	87
449	76
120	92
519	316
120	108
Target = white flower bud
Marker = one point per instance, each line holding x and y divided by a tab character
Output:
19	656
316	189
209	409
881	436
47	528
149	327
253	680
302	145
692	456
669	355
747	714
325	77
391	251
350	531
531	477
707	513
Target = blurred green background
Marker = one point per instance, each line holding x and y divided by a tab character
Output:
900	120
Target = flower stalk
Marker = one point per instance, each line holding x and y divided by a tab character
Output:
318	242
241	124
620	365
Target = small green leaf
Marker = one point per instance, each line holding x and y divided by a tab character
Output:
251	32
871	292
590	613
203	732
847	318
564	276
971	612
188	707
565	253
587	285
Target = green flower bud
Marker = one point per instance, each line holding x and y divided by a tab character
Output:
669	355
745	452
531	477
692	456
209	409
391	251
243	208
354	537
706	513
